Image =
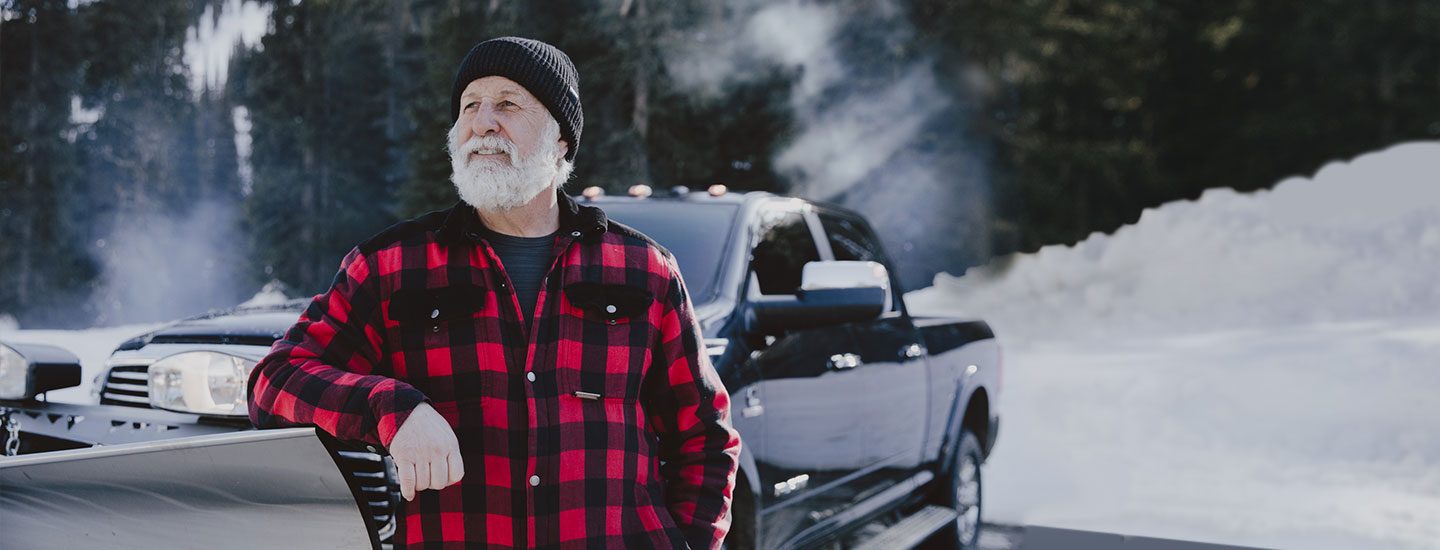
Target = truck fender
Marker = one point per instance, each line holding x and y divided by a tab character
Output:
749	474
964	395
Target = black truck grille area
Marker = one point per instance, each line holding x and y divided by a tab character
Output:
127	385
373	475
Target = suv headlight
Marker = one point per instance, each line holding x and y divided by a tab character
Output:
14	374
201	382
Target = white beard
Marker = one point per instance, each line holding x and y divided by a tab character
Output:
493	186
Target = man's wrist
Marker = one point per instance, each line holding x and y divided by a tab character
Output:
402	400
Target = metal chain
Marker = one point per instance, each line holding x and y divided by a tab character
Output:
12	433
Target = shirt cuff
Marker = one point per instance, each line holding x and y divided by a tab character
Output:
392	406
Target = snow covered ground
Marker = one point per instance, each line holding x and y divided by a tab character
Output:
1253	369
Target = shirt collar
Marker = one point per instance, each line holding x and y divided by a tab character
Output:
576	220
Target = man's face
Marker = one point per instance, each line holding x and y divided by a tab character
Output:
505	146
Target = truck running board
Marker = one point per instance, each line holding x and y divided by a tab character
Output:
911	530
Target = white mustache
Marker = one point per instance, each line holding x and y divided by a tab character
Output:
488	145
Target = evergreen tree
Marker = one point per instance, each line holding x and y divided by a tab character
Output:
322	155
45	258
1055	119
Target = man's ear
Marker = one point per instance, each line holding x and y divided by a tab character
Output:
562	150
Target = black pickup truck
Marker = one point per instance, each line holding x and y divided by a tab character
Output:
852	411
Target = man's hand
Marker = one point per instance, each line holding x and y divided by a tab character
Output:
426	453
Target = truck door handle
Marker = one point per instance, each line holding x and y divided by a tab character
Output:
844	361
753	407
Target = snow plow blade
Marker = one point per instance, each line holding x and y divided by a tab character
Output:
252	489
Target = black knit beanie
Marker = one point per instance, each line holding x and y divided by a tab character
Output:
544	71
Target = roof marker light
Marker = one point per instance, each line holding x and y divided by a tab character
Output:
640	191
717	190
592	192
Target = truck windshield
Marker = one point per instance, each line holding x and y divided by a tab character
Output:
694	233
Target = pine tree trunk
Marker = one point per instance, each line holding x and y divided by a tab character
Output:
394	38
640	117
2	41
27	190
1385	85
310	212
640	109
326	40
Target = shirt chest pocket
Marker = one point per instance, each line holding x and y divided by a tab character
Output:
606	337
432	318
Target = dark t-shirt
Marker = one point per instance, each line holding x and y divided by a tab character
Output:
525	260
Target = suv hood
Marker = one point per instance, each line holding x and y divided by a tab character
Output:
242	327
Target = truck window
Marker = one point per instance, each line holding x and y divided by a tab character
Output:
785	245
695	233
851	239
848	240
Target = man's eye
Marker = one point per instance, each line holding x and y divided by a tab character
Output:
470	105
507	105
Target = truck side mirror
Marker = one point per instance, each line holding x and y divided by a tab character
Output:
831	293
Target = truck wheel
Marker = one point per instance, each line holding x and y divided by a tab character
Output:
963	493
742	524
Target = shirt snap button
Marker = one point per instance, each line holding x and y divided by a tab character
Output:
530	376
574	233
612	321
434	328
534	480
434	313
610	309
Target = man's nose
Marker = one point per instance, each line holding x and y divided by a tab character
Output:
484	122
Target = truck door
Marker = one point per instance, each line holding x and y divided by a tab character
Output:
811	437
891	412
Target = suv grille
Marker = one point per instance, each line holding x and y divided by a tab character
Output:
374	475
127	385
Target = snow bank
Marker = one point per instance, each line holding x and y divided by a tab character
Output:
1360	240
1252	369
1317	436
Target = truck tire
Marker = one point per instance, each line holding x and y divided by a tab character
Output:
963	493
742	524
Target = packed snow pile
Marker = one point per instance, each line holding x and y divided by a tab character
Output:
1360	240
1252	369
273	293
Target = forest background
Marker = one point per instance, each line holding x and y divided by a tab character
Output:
140	183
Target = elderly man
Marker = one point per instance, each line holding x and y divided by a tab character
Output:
534	369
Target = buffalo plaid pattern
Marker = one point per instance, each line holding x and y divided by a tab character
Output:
600	424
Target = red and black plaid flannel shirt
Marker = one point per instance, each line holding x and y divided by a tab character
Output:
424	312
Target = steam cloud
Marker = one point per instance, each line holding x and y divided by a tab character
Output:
156	268
885	139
